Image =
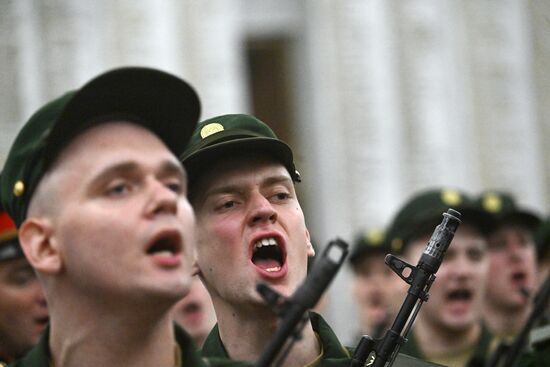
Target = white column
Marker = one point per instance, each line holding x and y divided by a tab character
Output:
437	113
505	101
370	121
215	40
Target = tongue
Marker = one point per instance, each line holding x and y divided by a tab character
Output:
266	263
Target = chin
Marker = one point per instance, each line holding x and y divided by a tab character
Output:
460	324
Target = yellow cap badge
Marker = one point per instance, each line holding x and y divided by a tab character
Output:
211	129
451	197
375	237
492	203
396	244
19	188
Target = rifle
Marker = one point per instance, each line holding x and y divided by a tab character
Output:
293	311
385	350
507	355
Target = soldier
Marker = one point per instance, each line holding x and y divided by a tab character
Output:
512	265
251	229
195	312
448	330
378	292
23	311
95	187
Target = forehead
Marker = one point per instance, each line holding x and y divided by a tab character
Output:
510	229
241	170
465	236
468	235
111	139
372	262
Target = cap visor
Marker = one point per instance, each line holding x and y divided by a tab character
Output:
206	157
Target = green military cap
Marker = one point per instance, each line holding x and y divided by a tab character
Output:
225	135
159	101
504	208
542	239
370	242
422	212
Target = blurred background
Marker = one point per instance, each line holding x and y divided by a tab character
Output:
378	98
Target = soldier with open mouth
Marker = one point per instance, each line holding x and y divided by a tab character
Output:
448	328
95	187
251	229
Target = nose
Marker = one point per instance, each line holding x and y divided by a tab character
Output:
162	200
462	267
261	210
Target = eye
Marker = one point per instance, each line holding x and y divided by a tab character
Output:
475	254
281	196
228	204
119	188
175	186
22	277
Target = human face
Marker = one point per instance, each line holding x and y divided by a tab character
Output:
23	311
251	229
123	224
457	292
195	312
512	267
378	292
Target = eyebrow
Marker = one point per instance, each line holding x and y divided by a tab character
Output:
229	188
167	168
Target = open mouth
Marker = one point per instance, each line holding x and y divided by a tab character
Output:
165	245
519	277
42	321
191	308
460	295
268	255
376	301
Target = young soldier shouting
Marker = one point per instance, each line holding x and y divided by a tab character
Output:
251	229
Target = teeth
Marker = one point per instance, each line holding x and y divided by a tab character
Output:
164	253
274	269
266	242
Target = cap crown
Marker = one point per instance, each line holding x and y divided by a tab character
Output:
370	242
504	208
227	135
424	211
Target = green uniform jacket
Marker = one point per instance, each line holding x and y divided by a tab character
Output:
478	359
334	354
39	356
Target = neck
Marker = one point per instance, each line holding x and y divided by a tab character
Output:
436	341
505	321
246	334
124	335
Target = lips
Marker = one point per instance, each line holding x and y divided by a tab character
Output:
41	322
269	255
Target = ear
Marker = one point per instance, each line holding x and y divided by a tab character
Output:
35	236
310	249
